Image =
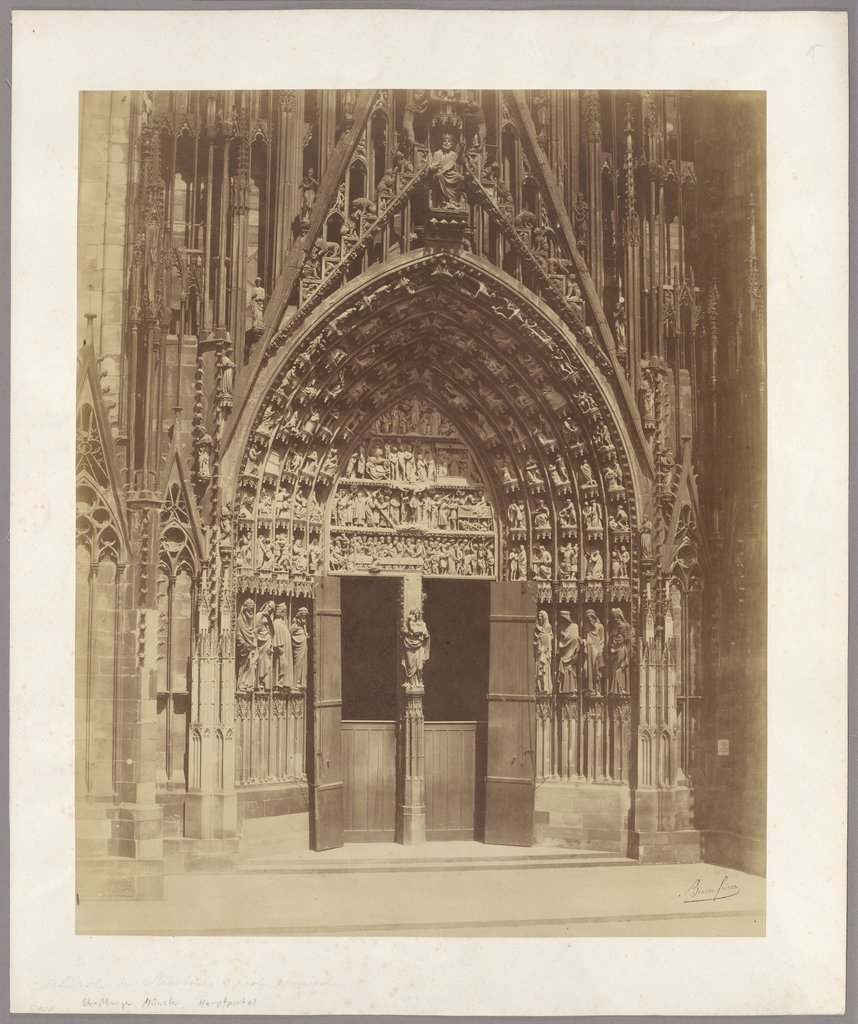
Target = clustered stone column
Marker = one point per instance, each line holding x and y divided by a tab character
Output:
211	809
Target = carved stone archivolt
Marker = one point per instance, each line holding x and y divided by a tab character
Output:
437	423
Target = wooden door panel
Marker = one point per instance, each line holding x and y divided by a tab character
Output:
325	768
511	724
450	750
369	781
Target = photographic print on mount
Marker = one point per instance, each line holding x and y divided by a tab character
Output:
421	527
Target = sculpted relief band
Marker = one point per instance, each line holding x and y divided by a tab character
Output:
426	502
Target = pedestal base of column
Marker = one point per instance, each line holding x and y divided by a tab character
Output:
211	815
412	826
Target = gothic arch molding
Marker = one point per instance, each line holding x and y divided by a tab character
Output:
538	413
319	326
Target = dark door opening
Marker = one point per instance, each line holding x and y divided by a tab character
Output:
370	617
456	680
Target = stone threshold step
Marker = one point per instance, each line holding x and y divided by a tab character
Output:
325	859
287	867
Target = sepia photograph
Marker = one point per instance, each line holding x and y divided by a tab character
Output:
421	512
428	512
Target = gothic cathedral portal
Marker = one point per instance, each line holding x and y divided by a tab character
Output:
409	520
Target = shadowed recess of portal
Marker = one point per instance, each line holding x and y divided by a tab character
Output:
456	676
370	618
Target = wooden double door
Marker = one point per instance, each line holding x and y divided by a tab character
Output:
478	712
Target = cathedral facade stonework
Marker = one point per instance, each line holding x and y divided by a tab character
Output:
421	475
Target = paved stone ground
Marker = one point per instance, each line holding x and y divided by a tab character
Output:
463	889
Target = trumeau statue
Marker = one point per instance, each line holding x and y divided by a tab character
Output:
543	651
415	649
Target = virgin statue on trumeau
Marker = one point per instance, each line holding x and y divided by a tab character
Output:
415	648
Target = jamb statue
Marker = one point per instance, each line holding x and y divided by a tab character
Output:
620	651
568	648
543	649
246	647
299	635
594	646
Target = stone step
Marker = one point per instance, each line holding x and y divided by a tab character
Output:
308	865
196	856
595	840
111	878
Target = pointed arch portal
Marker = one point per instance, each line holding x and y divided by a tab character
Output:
433	419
